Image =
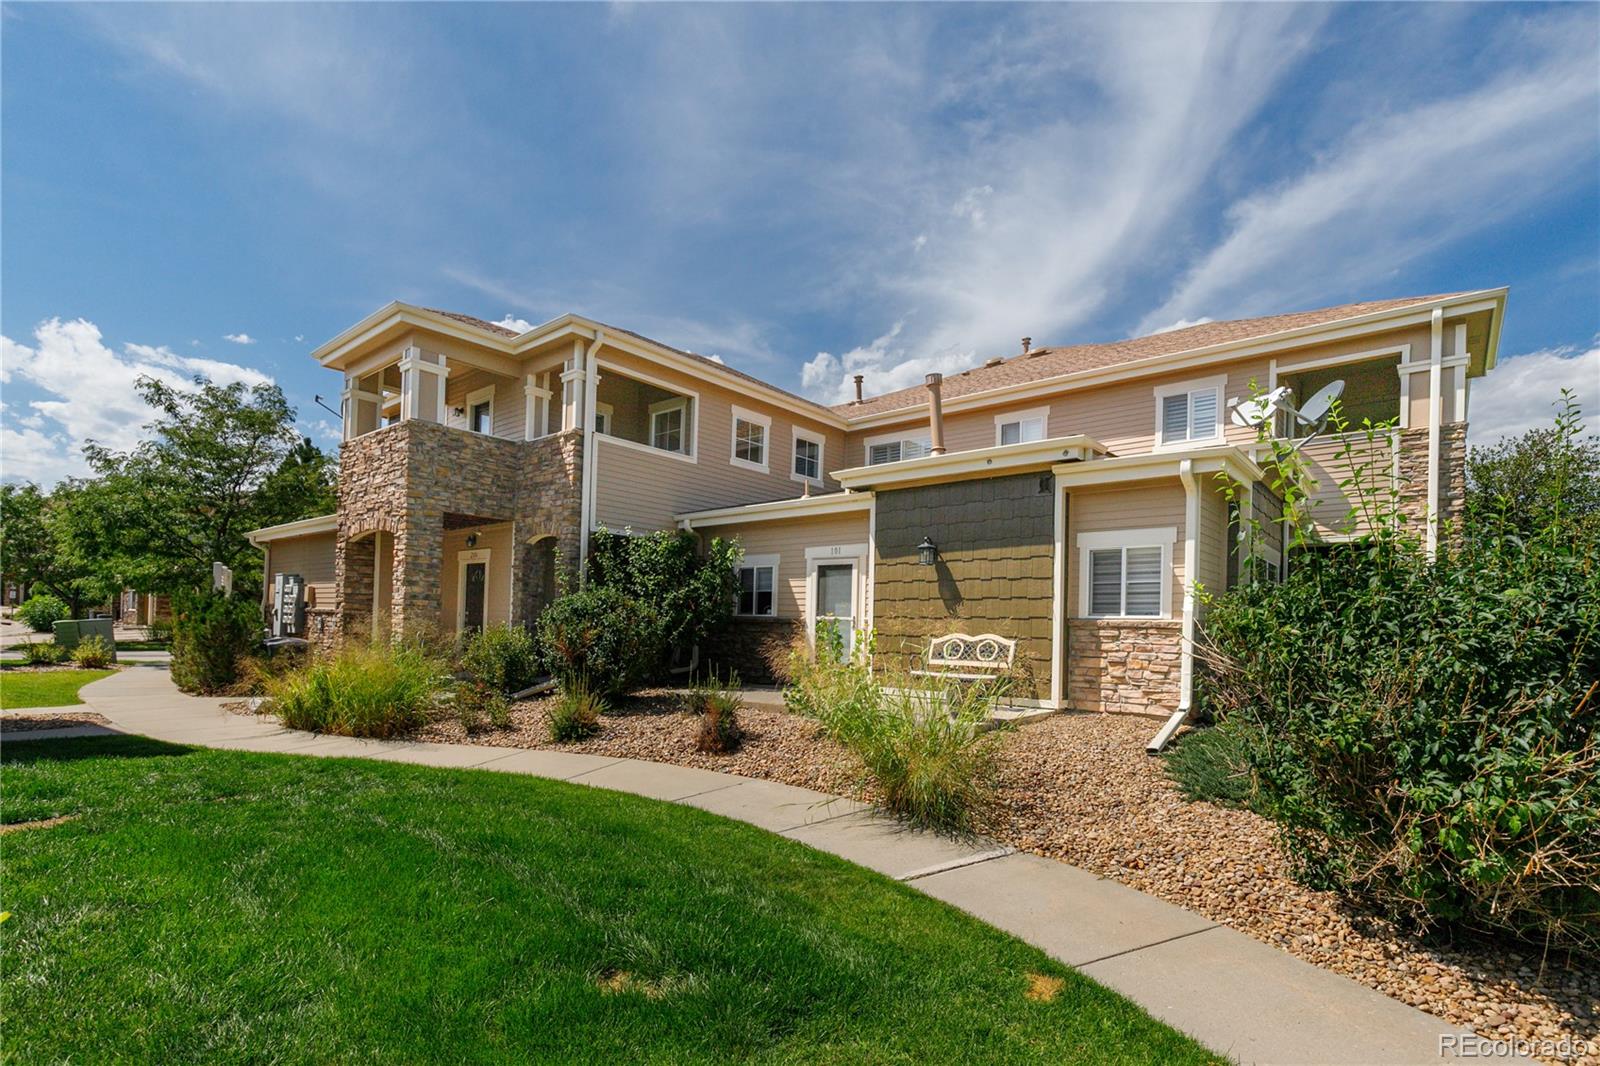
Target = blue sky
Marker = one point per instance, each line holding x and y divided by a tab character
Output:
805	191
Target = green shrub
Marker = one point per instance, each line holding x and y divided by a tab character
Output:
41	611
601	638
211	633
691	595
926	747
503	657
360	691
42	653
717	703
575	712
476	700
1425	730
92	652
160	631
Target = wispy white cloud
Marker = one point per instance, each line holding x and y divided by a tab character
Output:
90	395
521	325
238	338
1403	185
1521	392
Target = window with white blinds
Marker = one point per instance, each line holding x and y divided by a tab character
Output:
893	451
1189	411
1126	582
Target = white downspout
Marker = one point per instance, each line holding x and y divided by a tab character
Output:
1191	535
1435	416
591	383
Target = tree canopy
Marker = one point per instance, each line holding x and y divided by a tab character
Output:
1529	480
217	462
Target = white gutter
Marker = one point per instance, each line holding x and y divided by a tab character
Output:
326	523
1435	417
1191	534
776	510
586	501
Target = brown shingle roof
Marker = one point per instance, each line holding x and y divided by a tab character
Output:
471	321
1043	363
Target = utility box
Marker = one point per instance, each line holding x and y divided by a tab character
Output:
288	606
70	632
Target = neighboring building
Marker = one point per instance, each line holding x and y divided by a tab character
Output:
143	608
1073	496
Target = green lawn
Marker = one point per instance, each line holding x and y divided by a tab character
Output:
144	645
226	907
21	689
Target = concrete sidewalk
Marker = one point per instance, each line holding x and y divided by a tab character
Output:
1234	994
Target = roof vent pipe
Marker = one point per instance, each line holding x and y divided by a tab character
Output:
1027	342
859	378
935	415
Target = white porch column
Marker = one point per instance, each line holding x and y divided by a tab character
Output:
572	389
422	385
1435	417
535	409
360	407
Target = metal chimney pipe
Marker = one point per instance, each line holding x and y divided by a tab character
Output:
859	378
935	414
1027	342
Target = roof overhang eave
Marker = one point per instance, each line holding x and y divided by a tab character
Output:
1462	303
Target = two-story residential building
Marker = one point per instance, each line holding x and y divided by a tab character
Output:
1068	498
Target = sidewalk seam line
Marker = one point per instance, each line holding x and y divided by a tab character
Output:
1142	947
819	821
708	791
595	769
958	864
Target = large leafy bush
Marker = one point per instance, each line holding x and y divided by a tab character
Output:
1425	729
211	634
601	638
691	596
503	657
42	611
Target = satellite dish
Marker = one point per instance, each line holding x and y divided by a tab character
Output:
1316	408
1260	410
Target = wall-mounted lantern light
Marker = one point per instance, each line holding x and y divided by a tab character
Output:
472	540
927	552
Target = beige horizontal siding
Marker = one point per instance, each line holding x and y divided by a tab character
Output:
310	556
643	491
1145	505
789	540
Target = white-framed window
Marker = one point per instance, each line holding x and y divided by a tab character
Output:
1126	573
480	410
750	434
758	583
807	464
895	447
1189	412
669	425
1019	427
604	414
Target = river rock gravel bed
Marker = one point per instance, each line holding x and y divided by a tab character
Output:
1081	789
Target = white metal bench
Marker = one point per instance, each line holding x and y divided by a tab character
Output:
964	657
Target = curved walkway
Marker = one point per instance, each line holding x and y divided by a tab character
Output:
1234	994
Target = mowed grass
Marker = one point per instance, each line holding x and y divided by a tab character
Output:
210	906
21	689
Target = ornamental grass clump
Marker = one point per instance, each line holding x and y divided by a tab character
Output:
927	748
1426	730
717	704
359	691
575	711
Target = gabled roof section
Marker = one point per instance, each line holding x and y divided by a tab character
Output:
1049	362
